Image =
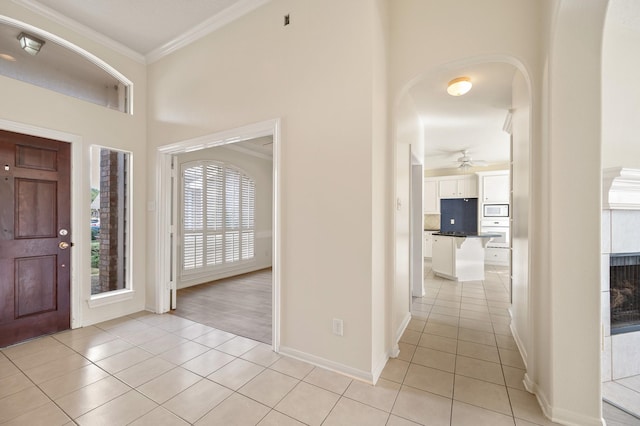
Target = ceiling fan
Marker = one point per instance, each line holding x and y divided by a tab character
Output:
466	161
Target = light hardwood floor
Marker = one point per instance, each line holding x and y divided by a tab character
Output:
240	305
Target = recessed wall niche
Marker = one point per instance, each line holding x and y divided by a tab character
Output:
62	67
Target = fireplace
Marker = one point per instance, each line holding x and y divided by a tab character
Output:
620	273
624	282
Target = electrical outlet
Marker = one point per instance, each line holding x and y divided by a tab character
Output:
338	327
453	221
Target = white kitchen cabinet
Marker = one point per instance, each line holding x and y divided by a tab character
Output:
495	187
471	187
443	256
459	258
458	187
428	244
431	202
496	256
435	188
448	188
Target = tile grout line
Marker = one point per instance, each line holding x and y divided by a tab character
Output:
342	395
36	386
495	340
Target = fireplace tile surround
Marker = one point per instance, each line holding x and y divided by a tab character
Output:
620	234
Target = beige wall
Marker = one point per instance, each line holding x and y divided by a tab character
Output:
45	111
381	188
620	88
407	136
567	351
520	213
322	75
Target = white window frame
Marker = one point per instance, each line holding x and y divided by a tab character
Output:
128	291
223	257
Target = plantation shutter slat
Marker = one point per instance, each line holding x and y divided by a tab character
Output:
232	202
215	193
232	246
214	249
248	196
247	244
192	249
193	199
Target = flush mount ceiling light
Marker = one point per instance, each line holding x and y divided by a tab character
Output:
7	57
459	86
30	44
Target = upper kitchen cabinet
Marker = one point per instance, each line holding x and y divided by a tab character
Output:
431	202
435	188
494	187
458	187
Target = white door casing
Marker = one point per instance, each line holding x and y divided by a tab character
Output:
165	247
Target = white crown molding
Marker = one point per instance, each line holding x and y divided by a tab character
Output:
212	24
81	29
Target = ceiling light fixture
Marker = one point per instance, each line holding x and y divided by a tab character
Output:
459	86
30	44
7	57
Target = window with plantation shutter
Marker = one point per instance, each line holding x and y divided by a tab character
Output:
218	226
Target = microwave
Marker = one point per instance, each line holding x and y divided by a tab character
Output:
495	210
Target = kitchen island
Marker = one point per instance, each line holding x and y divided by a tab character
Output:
459	256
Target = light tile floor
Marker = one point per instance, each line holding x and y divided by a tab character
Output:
617	417
458	365
625	394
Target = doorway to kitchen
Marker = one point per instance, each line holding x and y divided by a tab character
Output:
203	249
494	140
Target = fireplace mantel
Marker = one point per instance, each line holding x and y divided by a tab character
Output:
621	189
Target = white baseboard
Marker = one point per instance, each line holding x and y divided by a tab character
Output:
379	366
519	343
572	418
365	376
529	384
400	331
556	415
205	277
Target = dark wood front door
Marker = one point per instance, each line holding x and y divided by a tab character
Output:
35	226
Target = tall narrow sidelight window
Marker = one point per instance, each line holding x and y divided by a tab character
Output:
218	226
110	212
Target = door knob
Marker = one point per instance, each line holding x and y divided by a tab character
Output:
63	245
